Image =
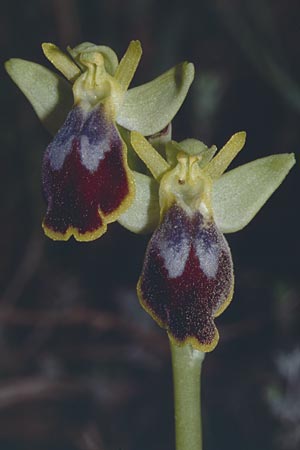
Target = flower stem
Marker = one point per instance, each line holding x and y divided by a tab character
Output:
186	363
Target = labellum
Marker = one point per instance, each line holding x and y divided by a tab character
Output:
187	278
85	175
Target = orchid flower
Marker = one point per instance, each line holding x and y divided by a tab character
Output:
187	278
86	179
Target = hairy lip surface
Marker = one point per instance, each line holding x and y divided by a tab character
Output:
187	277
84	176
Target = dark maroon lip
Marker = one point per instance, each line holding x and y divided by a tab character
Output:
187	276
84	174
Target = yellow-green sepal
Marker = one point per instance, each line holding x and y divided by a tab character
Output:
143	214
49	94
239	194
150	107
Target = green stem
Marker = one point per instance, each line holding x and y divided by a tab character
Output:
186	363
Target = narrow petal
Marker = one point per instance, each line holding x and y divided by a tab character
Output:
61	61
143	214
86	181
187	278
240	193
152	159
225	156
150	107
128	64
49	94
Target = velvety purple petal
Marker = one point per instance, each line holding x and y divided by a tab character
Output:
187	277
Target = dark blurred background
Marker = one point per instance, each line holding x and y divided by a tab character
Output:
82	367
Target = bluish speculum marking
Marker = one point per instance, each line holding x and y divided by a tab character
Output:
207	246
61	145
93	141
186	299
174	247
92	131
